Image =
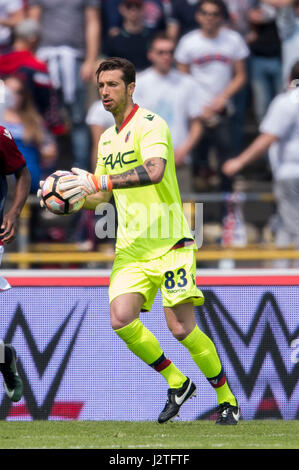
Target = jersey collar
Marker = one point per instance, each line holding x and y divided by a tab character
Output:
128	118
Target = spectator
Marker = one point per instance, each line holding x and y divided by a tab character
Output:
279	133
133	39
174	96
238	20
265	60
181	19
111	21
287	20
21	60
153	16
11	13
214	55
25	123
70	46
98	120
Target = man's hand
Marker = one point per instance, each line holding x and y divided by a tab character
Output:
207	114
8	228
232	166
22	188
257	149
218	104
81	184
179	156
87	71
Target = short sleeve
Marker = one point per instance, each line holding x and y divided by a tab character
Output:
98	116
240	50
100	168
154	139
11	158
92	115
279	117
181	54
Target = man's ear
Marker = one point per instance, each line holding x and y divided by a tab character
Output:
197	17
131	88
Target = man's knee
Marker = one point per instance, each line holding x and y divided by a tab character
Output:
180	320
124	310
119	317
180	331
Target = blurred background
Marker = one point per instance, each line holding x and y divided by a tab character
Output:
59	267
49	52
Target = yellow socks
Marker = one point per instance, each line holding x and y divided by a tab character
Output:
202	350
145	345
204	354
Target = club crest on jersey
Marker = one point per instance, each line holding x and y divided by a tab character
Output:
127	136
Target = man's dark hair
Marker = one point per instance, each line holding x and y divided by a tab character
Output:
159	36
118	63
218	3
294	75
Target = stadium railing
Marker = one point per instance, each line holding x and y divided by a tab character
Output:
62	257
39	254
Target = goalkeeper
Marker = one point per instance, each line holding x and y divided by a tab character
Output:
136	163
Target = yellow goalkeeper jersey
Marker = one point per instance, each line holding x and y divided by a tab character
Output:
150	218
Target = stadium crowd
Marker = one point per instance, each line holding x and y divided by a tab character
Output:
209	68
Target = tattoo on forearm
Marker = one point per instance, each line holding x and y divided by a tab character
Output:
155	164
142	175
128	179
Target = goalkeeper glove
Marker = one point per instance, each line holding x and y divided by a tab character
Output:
82	183
39	195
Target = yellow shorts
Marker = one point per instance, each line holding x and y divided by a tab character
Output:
174	274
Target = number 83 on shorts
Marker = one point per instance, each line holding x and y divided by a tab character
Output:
174	273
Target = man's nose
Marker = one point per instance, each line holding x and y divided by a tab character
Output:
105	91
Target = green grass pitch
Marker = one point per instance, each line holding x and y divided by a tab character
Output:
276	434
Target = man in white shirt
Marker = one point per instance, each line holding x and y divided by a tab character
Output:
98	120
175	97
279	133
214	55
